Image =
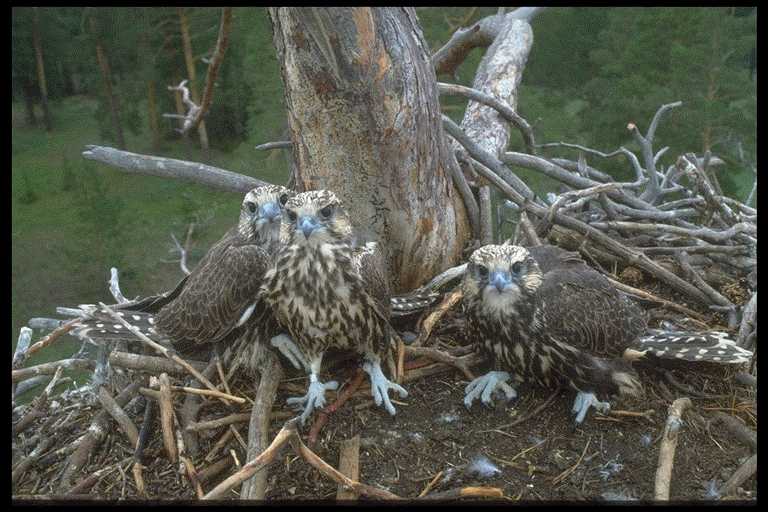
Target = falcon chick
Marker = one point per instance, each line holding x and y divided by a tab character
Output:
541	314
329	294
212	303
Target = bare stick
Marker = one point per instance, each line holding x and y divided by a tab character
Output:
166	417
114	286
50	368
740	476
161	349
322	466
172	168
668	446
349	466
151	364
739	430
280	144
182	254
119	415
748	321
465	492
250	468
501	107
461	363
434	317
528	230
219	422
255	488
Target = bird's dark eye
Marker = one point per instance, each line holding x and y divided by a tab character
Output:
292	216
483	271
517	267
326	212
283	199
251	206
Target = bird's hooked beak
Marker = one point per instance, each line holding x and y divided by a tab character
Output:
500	279
307	225
270	211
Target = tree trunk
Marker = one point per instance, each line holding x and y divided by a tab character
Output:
365	122
152	113
192	76
106	75
36	41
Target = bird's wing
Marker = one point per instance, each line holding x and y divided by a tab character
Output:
369	263
551	257
216	295
580	307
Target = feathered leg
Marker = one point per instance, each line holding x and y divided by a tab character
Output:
380	385
484	387
290	350
315	397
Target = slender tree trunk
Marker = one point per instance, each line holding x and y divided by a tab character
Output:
152	113
29	102
36	41
192	75
365	122
106	75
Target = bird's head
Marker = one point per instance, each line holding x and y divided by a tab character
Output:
315	217
261	212
499	275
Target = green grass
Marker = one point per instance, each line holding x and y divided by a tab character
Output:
73	219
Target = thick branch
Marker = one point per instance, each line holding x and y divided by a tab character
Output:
172	168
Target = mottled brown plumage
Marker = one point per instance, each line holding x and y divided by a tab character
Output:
545	316
328	293
210	304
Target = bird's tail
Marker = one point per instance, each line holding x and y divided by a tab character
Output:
711	347
98	326
412	302
626	380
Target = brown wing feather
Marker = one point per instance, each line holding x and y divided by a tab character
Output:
580	307
219	290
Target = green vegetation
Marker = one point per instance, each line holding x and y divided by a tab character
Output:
590	72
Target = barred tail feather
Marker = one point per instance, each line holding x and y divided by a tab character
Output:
411	303
98	326
711	347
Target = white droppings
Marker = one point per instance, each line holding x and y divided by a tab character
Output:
136	317
117	326
151	320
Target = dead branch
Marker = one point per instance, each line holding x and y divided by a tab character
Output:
161	349
740	476
119	415
258	429
349	466
198	426
151	364
165	399
502	108
748	321
461	363
483	33
486	217
668	446
434	317
50	368
114	286
465	492
460	181
96	433
182	252
171	168
280	144
738	429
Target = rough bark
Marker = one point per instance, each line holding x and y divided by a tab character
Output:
106	76
192	75
36	41
365	122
